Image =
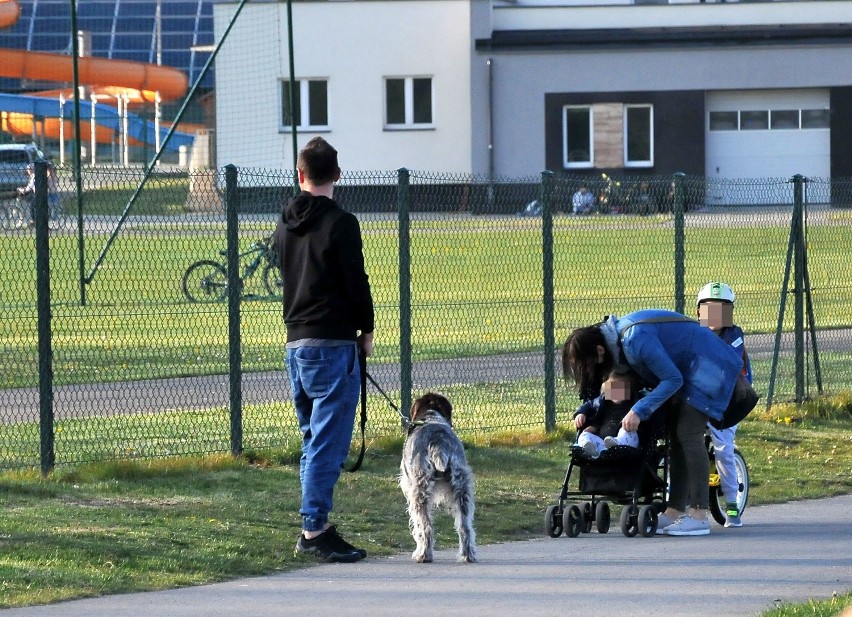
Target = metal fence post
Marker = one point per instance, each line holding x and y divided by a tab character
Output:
679	248
232	203
45	349
405	360
798	287
547	299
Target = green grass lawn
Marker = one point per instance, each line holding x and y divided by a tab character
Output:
476	290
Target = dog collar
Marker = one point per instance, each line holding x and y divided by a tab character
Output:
415	425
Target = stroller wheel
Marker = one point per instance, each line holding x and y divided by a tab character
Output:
588	516
629	522
553	521
648	521
572	520
602	517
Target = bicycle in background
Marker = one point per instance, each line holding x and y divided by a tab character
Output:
19	214
207	280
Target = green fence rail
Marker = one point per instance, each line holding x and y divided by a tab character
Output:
476	281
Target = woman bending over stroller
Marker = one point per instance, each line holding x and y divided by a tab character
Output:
686	366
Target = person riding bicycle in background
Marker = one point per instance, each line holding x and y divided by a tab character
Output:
29	189
715	305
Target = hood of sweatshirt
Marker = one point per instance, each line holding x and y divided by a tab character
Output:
302	211
609	329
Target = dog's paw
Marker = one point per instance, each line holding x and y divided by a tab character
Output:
421	557
468	557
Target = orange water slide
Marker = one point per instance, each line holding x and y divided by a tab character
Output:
148	79
9	13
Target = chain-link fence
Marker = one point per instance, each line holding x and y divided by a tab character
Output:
121	336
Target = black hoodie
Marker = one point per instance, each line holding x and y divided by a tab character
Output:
326	288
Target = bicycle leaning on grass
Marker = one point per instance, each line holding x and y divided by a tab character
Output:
207	280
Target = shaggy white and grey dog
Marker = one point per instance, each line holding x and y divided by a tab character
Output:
434	472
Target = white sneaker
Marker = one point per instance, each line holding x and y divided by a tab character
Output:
663	521
628	438
591	450
688	526
624	438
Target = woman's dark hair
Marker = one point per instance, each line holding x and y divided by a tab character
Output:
580	361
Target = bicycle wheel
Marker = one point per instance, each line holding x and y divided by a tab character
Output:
272	281
205	281
11	217
717	499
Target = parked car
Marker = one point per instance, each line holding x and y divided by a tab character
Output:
14	159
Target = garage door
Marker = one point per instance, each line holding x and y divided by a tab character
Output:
765	134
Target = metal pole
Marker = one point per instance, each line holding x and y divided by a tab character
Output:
405	360
78	160
490	64
93	130
547	293
293	120
235	292
679	245
781	308
798	289
45	350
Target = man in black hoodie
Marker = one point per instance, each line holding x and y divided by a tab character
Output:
328	310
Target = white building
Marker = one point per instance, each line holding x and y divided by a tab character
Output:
727	90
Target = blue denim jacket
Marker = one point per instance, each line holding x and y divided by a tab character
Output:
672	355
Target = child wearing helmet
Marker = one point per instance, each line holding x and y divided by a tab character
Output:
600	419
715	305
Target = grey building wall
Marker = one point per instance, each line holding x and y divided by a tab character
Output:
524	76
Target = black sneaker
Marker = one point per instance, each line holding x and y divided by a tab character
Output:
329	546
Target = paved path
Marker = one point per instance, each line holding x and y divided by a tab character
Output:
785	553
154	395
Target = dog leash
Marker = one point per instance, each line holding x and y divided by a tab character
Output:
362	361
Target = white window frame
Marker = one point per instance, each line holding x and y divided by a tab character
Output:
568	164
642	163
408	93
304	106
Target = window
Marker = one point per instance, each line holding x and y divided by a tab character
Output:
784	119
408	102
638	135
577	143
754	120
310	107
815	118
724	121
775	119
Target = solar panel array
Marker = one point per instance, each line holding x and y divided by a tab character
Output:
121	29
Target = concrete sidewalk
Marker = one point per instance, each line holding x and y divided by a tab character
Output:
784	553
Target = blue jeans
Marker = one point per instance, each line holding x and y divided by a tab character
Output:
326	384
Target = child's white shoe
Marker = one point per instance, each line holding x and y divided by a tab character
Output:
592	444
624	438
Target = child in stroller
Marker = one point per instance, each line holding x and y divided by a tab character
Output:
598	421
629	469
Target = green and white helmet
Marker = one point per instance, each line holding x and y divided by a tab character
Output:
716	291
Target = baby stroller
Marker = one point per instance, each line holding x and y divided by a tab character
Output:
632	477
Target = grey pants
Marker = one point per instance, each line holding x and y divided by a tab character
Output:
689	464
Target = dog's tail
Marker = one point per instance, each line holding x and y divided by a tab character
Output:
439	458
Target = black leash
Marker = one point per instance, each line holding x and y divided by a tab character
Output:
362	361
